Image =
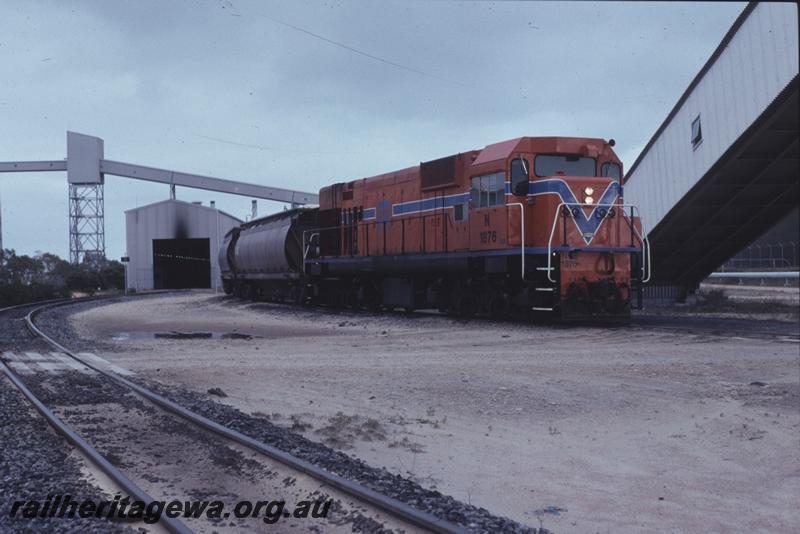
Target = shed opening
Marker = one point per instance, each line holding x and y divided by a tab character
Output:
181	263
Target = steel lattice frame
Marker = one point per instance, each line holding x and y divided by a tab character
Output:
86	169
87	242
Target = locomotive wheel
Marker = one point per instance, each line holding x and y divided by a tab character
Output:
352	300
466	306
368	297
298	294
498	307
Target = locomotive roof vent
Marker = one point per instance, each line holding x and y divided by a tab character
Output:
438	174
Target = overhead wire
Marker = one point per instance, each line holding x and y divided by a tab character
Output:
360	52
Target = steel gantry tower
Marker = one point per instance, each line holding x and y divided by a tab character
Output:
87	241
86	169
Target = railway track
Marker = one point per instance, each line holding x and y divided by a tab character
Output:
357	504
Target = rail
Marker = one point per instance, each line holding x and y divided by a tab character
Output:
123	482
88	451
756	274
565	210
390	505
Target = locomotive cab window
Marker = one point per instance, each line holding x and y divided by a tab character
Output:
520	174
610	170
567	164
488	190
458	212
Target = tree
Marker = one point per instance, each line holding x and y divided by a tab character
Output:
30	278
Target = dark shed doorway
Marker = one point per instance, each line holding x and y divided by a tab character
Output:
181	263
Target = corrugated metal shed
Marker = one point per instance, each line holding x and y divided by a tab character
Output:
755	61
174	220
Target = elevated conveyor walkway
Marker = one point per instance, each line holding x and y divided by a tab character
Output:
723	167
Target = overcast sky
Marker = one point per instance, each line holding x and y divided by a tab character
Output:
300	94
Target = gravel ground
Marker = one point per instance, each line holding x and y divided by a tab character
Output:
381	480
55	323
14	334
35	462
171	459
684	422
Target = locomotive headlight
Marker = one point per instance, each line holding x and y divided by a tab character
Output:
588	200
588	191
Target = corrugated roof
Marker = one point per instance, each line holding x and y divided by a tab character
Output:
183	203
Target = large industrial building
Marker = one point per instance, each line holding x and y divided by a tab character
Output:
174	244
723	167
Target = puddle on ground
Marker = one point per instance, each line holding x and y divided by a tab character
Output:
125	336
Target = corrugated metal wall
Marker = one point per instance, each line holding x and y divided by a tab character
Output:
171	219
759	61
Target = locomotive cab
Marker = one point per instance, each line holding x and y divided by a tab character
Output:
580	245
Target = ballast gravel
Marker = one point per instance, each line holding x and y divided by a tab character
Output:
55	324
35	462
473	518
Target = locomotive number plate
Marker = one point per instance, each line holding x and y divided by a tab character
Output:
489	236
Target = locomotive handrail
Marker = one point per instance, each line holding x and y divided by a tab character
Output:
307	247
646	267
315	232
439	213
522	232
646	245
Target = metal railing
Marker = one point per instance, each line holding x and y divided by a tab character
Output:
350	247
522	234
777	256
349	235
763	277
564	210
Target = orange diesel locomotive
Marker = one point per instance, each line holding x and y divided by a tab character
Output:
535	225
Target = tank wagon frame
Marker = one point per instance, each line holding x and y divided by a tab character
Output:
534	224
